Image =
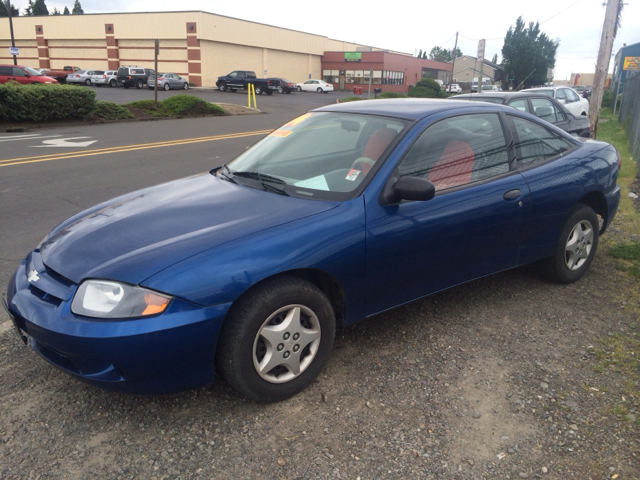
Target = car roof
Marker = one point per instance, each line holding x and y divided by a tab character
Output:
406	108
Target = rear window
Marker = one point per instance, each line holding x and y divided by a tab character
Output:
137	71
123	71
99	72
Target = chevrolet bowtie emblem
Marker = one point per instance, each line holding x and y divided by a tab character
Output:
32	276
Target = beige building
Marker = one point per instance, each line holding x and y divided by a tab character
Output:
198	45
585	79
466	68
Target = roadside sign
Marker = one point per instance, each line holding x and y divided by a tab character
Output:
14	51
481	50
549	72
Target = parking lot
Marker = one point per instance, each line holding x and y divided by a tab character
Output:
492	379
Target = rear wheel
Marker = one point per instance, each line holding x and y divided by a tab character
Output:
166	87
87	82
576	246
185	86
276	339
319	90
280	90
139	84
258	90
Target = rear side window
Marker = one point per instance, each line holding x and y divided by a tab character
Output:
520	105
535	143
137	71
6	70
547	110
457	151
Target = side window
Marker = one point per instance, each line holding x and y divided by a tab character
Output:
547	110
560	96
571	95
457	151
521	105
6	70
18	72
535	143
233	74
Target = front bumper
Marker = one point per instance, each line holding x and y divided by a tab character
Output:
169	352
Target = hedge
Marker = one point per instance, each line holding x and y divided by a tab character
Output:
40	103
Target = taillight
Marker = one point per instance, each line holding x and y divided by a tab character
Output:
104	76
619	160
268	82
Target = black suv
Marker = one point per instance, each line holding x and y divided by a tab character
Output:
130	76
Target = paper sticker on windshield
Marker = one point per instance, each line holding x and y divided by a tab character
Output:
296	121
352	175
280	133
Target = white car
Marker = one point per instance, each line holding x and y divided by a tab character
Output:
108	77
567	96
314	85
80	77
454	88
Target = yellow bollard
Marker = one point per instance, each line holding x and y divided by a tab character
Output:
253	89
249	95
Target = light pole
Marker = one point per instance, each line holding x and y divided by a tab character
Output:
13	43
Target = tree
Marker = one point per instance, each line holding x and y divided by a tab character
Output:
77	8
420	54
55	11
443	55
28	11
40	8
495	59
5	13
527	53
66	11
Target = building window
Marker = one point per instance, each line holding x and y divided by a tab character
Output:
392	78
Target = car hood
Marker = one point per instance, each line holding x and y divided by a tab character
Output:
137	235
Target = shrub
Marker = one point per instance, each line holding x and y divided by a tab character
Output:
427	88
392	95
41	103
350	99
111	111
182	104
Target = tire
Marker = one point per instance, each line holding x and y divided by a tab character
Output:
300	89
185	86
319	90
288	92
112	83
280	90
166	87
258	90
276	312
139	84
222	87
87	82
268	92
576	246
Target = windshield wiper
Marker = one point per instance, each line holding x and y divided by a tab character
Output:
225	176
263	179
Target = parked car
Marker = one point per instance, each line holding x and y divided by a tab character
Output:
61	75
454	88
315	85
283	86
252	267
539	105
489	88
23	75
241	79
80	77
109	77
130	76
567	96
167	81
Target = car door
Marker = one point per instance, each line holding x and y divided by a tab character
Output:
547	110
471	228
20	76
520	104
544	162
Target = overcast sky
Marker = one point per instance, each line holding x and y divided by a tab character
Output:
410	26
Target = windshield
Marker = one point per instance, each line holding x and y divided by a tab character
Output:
322	155
548	93
33	72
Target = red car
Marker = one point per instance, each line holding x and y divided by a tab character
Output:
23	75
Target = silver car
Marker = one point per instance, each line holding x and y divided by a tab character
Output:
168	81
108	77
81	76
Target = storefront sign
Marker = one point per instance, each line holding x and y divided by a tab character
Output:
352	56
631	63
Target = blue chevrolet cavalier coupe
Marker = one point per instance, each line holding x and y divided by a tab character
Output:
340	214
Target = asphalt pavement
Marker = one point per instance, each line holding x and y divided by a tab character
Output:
49	174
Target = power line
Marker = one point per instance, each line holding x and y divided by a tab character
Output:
574	3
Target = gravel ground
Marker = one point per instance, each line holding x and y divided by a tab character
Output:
493	379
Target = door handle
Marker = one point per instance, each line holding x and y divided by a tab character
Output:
512	194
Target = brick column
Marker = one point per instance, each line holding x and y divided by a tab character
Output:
193	55
43	48
113	56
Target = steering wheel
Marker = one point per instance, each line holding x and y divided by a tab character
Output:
362	161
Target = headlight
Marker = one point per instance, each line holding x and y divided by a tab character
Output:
107	299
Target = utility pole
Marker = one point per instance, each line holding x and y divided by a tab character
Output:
602	67
13	42
453	62
481	44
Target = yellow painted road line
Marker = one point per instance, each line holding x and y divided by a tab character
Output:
126	148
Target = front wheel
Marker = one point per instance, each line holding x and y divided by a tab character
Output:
87	82
299	89
222	87
258	90
576	246
112	83
139	84
276	339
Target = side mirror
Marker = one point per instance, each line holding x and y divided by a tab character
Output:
407	188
